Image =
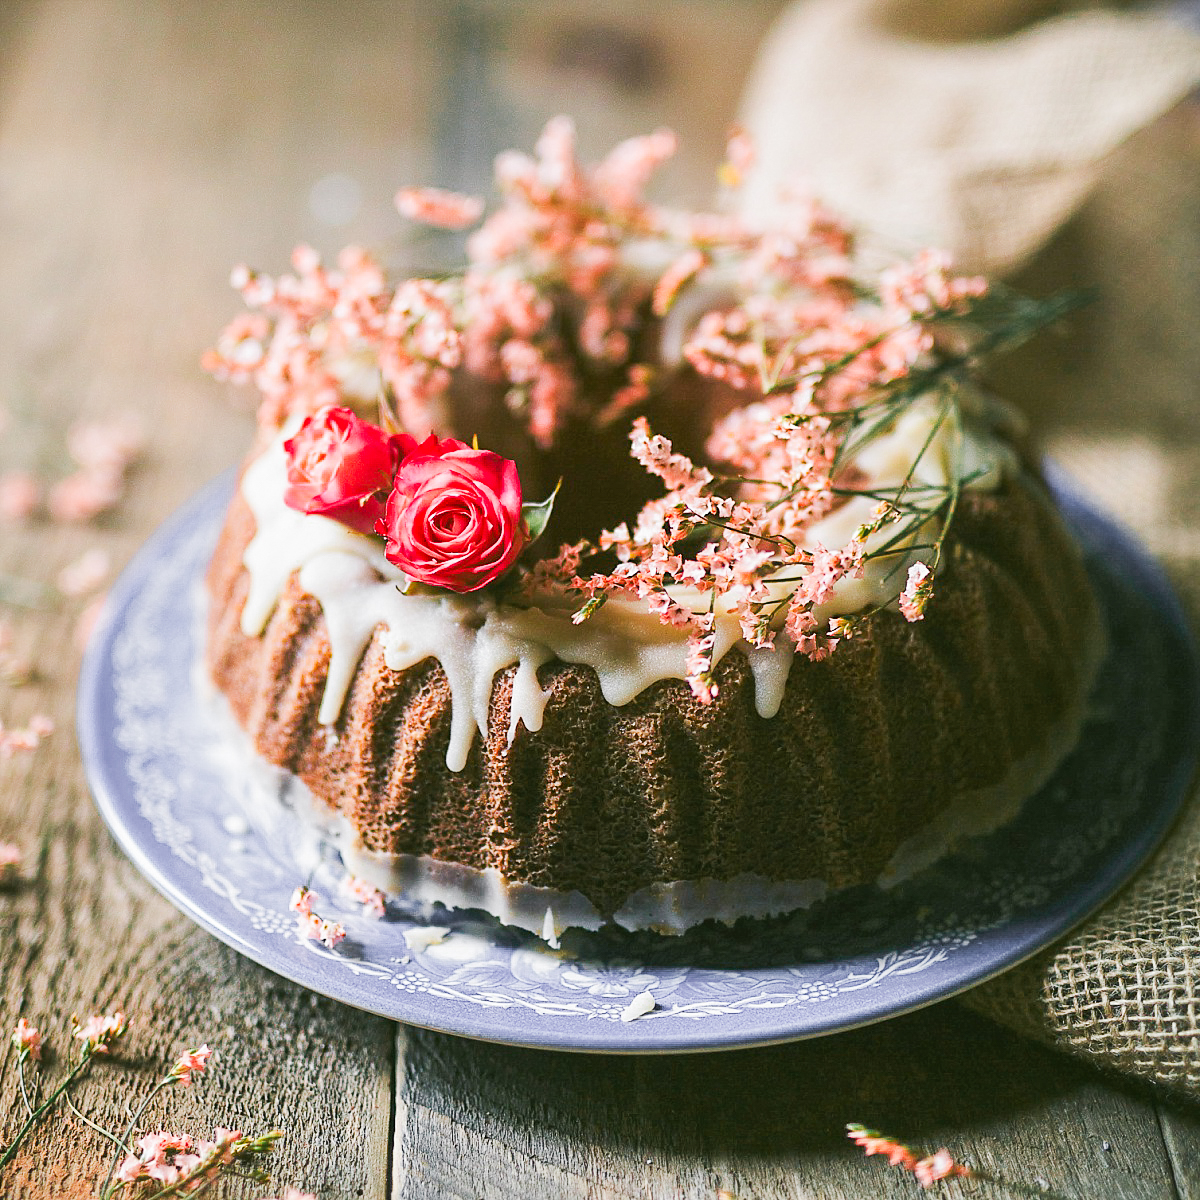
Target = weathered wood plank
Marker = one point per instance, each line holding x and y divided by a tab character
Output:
480	1120
1181	1135
143	152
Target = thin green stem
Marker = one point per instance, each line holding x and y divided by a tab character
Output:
123	1141
21	1057
45	1106
104	1133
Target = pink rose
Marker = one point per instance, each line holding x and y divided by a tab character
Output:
341	467
454	519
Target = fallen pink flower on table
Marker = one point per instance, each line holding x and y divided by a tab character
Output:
312	926
192	1062
98	1031
927	1171
14	670
329	933
19	495
13	741
106	445
104	450
938	1166
84	495
26	1037
85	574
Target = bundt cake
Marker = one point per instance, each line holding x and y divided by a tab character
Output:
846	626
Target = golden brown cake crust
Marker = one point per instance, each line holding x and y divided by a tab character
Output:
869	744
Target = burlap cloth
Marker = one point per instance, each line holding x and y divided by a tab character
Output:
1057	148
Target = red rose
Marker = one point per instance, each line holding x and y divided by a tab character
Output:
342	467
454	519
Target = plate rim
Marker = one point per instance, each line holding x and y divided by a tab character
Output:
1178	765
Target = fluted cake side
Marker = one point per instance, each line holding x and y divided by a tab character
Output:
869	745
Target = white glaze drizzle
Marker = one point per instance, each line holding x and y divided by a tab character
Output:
473	638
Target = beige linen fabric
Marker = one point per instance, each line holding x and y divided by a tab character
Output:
983	147
1059	152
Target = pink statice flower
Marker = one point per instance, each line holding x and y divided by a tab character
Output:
97	1033
316	929
373	901
187	1165
19	495
435	206
925	287
621	179
240	349
917	590
165	1158
189	1063
26	1038
897	1154
682	271
84	574
302	901
937	1167
310	924
110	444
739	158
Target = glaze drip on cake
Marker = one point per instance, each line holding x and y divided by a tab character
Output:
473	638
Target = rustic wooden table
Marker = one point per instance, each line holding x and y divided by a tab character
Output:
144	148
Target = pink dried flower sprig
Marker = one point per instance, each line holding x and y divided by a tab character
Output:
310	924
20	494
96	1034
934	1168
192	1062
927	1170
104	451
27	1039
373	901
155	1165
557	240
180	1165
85	573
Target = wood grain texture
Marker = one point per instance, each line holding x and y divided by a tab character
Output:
145	147
496	1121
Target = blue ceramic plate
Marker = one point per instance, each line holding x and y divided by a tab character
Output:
148	737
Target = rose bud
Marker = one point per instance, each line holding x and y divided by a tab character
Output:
341	467
453	519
